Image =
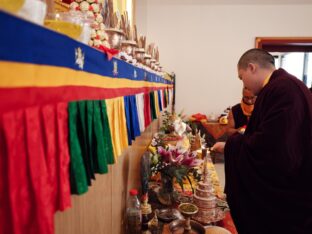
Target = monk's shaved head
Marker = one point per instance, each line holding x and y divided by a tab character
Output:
258	56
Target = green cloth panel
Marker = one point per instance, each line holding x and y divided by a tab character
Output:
107	138
99	146
83	139
78	177
153	110
90	134
90	143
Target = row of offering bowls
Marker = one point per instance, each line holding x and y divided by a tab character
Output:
116	39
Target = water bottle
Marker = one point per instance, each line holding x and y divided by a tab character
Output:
134	218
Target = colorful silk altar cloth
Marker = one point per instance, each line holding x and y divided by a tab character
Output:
52	89
40	66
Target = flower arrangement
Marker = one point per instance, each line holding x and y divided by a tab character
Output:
175	162
173	156
173	123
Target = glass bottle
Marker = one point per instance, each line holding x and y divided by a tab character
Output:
134	218
146	210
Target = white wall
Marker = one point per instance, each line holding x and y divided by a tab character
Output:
202	43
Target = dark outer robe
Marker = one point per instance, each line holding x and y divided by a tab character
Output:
239	118
268	170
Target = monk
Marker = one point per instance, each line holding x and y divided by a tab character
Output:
240	113
268	169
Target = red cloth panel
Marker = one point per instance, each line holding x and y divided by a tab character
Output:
147	110
34	163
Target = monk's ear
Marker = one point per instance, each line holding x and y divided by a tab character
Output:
252	67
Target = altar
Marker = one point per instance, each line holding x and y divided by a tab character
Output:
180	158
225	221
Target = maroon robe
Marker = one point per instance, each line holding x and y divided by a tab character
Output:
268	170
239	118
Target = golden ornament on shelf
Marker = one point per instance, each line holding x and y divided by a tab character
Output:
11	5
66	27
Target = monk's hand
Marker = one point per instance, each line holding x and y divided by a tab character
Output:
218	147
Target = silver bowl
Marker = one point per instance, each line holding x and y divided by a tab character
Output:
168	214
128	47
139	54
147	59
115	36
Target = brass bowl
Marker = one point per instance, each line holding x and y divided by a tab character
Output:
188	209
115	36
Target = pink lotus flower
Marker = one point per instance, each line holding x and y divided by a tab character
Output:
175	156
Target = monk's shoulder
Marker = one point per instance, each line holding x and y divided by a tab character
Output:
285	86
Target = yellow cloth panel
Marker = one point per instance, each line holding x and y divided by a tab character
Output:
49	76
117	121
156	103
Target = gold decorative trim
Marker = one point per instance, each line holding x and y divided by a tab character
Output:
61	6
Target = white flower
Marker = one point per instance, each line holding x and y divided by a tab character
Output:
99	18
95	25
84	6
90	14
74	5
102	26
179	126
95	7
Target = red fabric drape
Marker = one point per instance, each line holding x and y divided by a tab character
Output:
34	162
110	52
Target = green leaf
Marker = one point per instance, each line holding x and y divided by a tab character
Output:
180	173
189	180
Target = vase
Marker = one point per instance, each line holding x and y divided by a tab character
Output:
166	191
